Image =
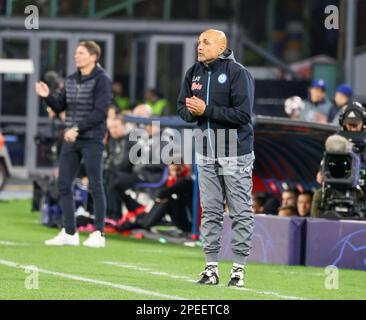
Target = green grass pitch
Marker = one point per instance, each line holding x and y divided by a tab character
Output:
140	269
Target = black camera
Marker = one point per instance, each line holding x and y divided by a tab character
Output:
341	169
343	196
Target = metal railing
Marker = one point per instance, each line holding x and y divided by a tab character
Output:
128	5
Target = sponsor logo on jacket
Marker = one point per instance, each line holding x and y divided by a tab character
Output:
196	86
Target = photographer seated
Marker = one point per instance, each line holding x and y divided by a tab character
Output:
118	170
132	168
175	198
341	195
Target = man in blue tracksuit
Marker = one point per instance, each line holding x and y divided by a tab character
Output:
85	97
218	94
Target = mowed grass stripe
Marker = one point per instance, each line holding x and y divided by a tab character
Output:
13	264
20	226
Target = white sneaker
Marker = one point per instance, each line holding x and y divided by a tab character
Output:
64	239
236	277
95	240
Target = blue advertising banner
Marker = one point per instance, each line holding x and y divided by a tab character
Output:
276	240
338	243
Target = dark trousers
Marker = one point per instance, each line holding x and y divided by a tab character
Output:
118	183
70	158
177	210
178	207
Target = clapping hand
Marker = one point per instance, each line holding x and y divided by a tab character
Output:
196	106
42	89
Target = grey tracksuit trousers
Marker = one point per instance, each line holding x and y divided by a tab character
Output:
231	179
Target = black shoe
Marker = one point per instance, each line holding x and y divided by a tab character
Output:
210	276
236	278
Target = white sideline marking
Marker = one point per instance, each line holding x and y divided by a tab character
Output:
172	276
270	293
296	273
156	273
93	281
150	271
167	251
13	244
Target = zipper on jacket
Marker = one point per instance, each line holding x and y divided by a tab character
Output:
208	120
75	105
